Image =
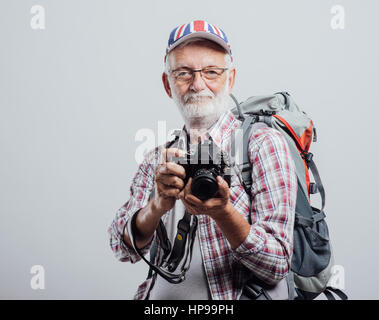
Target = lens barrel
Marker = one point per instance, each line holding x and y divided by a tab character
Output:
204	184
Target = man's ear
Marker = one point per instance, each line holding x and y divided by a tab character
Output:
232	77
166	84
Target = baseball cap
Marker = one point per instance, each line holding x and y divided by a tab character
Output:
198	29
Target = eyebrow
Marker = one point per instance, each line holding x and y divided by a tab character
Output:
186	67
181	67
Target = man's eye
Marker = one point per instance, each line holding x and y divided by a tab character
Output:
211	72
183	73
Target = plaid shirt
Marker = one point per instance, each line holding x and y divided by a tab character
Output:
267	250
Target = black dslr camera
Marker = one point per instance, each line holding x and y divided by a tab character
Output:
203	163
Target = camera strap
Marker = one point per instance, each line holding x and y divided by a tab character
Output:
187	233
185	229
172	255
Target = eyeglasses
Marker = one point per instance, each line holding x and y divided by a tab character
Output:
187	74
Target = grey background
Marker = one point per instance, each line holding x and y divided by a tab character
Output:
73	96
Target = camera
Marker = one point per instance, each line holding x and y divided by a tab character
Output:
203	163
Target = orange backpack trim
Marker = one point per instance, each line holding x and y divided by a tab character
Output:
303	144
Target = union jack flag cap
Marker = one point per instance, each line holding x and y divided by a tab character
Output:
197	28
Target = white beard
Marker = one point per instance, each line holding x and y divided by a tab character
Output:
201	109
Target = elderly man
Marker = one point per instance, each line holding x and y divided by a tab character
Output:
239	236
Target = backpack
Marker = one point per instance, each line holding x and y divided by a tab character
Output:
312	260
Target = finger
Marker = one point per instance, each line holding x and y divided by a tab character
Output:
162	156
167	155
214	203
186	190
190	208
171	168
174	153
171	181
223	188
194	200
176	169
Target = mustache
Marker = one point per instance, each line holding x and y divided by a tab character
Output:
197	96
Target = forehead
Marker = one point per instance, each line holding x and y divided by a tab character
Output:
197	56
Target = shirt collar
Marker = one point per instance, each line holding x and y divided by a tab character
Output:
220	130
223	127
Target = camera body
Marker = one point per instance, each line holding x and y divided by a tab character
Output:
203	163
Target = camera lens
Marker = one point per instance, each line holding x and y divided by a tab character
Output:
204	184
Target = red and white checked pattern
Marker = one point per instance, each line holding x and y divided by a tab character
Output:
268	248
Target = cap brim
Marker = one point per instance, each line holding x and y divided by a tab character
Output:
204	35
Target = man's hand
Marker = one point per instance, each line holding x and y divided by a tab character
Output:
216	207
168	180
221	210
168	183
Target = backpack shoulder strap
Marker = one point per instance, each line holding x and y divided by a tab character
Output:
240	146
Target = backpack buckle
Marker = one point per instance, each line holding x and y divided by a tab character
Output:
313	188
307	156
266	112
183	226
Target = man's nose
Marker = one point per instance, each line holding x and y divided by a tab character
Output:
198	82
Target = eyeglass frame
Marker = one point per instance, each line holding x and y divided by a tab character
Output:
199	70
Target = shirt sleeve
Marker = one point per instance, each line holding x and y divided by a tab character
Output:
268	248
140	189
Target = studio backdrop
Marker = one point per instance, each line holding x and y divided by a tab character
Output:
81	96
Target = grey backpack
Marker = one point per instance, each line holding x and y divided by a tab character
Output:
312	260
